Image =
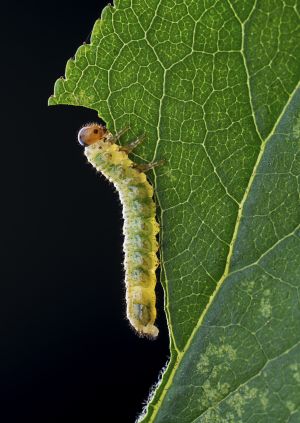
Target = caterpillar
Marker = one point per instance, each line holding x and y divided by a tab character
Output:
140	226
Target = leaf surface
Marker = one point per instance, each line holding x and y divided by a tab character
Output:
214	85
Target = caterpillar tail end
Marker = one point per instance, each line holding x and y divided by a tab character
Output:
150	331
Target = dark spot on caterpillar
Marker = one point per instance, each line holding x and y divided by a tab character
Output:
142	312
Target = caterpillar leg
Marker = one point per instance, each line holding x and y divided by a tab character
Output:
129	147
114	138
147	166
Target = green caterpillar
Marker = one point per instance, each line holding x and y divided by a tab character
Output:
140	225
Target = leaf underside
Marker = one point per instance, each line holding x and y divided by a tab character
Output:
214	85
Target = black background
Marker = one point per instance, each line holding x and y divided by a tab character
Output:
67	351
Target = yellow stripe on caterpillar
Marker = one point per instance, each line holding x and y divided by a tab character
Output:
140	226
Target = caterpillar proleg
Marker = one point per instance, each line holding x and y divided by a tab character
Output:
140	225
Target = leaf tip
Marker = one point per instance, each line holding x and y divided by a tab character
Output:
52	101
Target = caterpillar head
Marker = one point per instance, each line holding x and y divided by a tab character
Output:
91	133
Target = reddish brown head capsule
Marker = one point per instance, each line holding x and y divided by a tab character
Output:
91	133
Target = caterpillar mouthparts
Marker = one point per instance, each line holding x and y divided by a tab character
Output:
140	226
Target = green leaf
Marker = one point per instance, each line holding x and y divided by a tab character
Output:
214	86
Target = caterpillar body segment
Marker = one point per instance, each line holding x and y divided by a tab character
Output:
140	226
